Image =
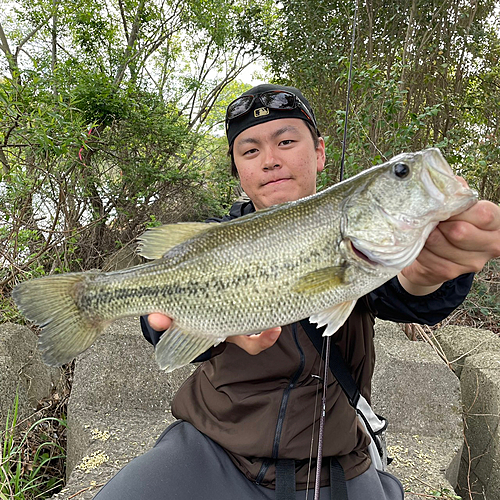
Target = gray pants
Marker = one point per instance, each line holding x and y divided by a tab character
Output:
184	464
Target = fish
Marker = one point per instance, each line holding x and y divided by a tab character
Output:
311	258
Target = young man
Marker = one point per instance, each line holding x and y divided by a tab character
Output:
250	405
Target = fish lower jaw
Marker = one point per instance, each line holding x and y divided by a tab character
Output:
360	255
372	262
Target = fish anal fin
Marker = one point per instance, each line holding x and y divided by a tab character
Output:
321	280
177	348
335	316
157	241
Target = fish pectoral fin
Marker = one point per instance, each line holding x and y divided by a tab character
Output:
177	348
321	280
335	316
157	241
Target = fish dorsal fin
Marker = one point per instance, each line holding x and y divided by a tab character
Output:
321	280
157	241
335	316
177	348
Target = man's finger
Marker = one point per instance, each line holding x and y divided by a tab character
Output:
484	215
159	322
459	241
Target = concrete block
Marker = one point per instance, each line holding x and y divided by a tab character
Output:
459	342
22	370
119	405
119	370
413	387
423	464
110	441
480	382
420	396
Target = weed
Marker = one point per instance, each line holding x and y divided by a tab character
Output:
445	493
30	460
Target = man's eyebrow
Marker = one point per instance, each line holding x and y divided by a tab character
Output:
283	130
247	140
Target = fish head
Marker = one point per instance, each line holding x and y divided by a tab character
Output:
393	209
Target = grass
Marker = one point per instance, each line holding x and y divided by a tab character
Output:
31	457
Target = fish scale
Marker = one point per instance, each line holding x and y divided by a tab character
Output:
308	258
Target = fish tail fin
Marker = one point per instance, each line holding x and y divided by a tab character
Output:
177	348
50	303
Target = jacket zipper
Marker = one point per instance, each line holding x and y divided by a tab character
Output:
283	406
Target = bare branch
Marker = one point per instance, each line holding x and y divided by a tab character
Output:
124	19
32	33
127	57
11	59
5	163
209	101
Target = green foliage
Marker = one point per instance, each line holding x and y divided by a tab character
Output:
26	463
122	124
100	100
112	128
422	76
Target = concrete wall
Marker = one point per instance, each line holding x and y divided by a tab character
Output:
475	358
22	370
120	403
420	397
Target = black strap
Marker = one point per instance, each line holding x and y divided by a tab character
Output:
338	486
337	363
285	479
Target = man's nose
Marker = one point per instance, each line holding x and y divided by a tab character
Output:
272	167
271	161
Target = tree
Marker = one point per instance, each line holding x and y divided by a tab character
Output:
106	113
416	74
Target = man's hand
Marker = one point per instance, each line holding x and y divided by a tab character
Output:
252	344
459	245
159	322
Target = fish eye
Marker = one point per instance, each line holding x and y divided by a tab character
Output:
401	170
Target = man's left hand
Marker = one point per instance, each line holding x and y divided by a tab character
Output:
459	245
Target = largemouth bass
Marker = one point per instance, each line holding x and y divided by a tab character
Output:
309	258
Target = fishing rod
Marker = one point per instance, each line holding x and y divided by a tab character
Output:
322	416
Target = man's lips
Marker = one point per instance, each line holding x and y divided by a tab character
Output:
276	181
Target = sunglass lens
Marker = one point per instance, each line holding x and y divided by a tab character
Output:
278	100
239	107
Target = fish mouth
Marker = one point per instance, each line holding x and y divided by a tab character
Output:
362	255
392	256
440	180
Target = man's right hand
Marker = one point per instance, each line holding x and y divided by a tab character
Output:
252	344
159	322
255	344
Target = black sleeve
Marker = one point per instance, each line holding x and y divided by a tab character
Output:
392	302
153	337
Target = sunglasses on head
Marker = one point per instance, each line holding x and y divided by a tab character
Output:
272	99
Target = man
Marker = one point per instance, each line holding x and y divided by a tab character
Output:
249	407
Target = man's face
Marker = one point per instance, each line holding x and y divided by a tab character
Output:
277	161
